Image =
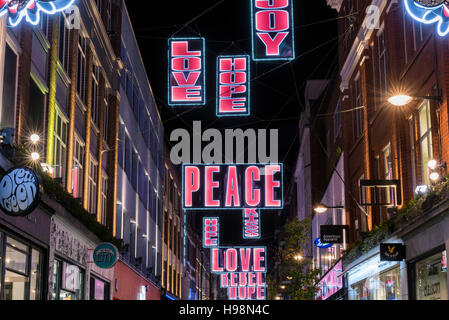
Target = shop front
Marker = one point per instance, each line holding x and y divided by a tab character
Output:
369	278
331	285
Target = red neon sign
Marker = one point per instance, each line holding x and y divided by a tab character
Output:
233	74
251	224
210	232
232	186
272	30
186	83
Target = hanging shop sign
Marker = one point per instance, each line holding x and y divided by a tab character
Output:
251	224
232	186
31	10
272	30
331	283
211	232
392	252
430	12
233	87
321	245
187	69
19	192
241	270
332	233
105	255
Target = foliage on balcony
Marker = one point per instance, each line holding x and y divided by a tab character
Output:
57	192
413	209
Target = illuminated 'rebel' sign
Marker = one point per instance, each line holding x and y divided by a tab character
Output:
30	10
430	12
272	30
186	79
233	86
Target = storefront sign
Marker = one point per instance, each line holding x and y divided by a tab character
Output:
211	232
321	245
430	12
241	271
105	255
251	224
332	233
233	85
444	261
19	191
392	252
331	283
30	10
272	30
229	186
186	80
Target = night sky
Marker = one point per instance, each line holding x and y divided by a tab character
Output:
277	96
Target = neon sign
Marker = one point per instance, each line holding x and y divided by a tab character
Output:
211	232
430	12
241	271
232	186
233	87
321	245
17	10
272	30
186	80
251	224
331	283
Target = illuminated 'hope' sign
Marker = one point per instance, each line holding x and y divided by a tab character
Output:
272	30
232	186
241	270
30	10
430	12
233	88
186	72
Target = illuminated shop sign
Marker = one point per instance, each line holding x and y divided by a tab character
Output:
392	252
321	245
232	186
211	232
272	30
233	85
105	255
241	270
331	283
251	224
19	192
430	12
186	80
30	10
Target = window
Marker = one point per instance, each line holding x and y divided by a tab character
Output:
104	194
431	278
105	119
99	290
418	35
64	35
68	281
60	149
337	120
411	124
34	112
93	175
82	62
425	139
22	265
95	94
357	118
45	25
382	62
7	115
77	170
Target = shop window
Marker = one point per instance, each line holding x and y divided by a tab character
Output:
383	286
99	290
431	278
68	281
22	270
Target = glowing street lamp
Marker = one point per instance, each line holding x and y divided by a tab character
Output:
34	138
321	208
35	156
400	99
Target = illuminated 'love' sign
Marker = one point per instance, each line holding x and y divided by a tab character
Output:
19	192
272	30
30	10
186	79
430	12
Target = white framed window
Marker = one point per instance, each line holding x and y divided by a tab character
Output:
82	63
411	124
382	62
60	145
95	93
64	43
104	194
357	116
425	138
93	175
77	170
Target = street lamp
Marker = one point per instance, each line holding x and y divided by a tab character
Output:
321	208
400	99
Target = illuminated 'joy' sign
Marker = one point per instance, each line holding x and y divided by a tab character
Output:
272	30
186	80
233	87
430	12
232	186
30	10
241	270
